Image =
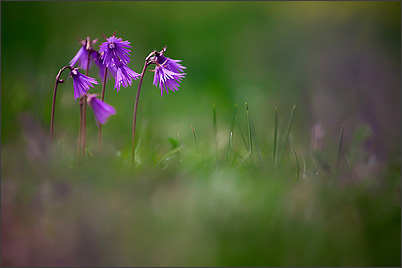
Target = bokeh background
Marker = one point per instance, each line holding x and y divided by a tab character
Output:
338	62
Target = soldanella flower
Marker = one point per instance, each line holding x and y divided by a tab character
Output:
82	55
115	50
167	79
81	83
99	63
170	64
124	76
168	72
102	110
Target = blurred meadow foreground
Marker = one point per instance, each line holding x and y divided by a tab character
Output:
282	146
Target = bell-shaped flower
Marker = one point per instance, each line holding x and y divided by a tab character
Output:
82	55
102	110
115	50
81	83
124	76
167	79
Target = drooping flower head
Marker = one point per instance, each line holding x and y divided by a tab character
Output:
167	79
168	73
81	83
102	110
115	50
82	55
124	76
170	64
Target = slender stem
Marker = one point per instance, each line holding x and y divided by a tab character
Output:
54	98
87	70
80	128
135	108
83	103
84	122
102	97
104	84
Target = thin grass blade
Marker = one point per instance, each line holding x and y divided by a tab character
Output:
170	153
195	137
250	141
288	132
274	157
297	163
340	146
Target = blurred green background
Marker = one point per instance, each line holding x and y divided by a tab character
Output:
339	62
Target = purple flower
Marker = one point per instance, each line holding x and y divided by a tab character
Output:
115	50
98	61
82	55
101	109
81	83
124	76
167	79
171	65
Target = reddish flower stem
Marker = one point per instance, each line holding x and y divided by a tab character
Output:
54	98
147	62
84	122
102	98
79	128
83	119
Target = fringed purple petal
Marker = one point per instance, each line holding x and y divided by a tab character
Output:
124	76
115	50
167	79
170	64
81	58
81	83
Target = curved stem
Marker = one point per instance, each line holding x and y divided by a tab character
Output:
80	127
54	98
136	106
87	70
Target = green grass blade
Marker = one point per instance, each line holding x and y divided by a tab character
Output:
215	127
297	163
195	137
274	158
242	136
255	140
172	152
230	144
231	133
288	132
250	141
340	146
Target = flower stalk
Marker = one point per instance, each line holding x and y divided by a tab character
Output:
102	98
84	122
80	128
146	64
83	103
58	81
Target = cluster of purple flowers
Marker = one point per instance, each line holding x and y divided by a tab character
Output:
112	60
115	54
